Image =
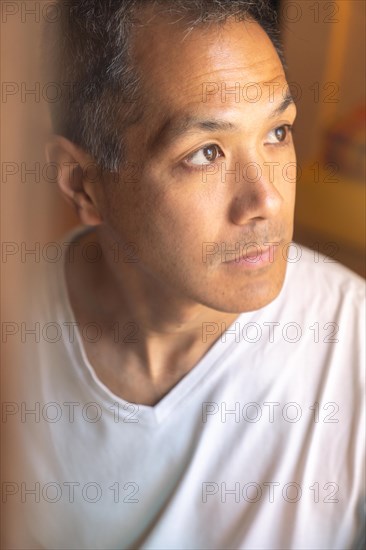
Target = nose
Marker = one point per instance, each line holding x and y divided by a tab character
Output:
256	197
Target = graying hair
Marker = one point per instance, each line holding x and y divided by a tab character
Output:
87	51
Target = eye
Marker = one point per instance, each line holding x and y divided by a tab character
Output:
205	155
280	135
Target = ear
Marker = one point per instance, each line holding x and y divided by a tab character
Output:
78	179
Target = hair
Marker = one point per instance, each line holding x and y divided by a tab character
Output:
87	49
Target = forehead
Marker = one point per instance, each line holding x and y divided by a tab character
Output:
180	67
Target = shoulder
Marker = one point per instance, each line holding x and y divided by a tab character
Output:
324	296
315	278
47	296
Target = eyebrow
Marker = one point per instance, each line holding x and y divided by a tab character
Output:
287	101
174	127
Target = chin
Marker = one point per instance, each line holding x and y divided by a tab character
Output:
254	303
248	303
250	293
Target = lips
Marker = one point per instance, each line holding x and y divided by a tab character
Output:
255	259
252	256
258	253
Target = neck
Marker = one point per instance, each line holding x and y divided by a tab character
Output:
167	332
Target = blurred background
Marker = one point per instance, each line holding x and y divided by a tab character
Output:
325	50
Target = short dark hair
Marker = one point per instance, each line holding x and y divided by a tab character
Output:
87	53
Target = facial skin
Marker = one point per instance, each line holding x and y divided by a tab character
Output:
176	210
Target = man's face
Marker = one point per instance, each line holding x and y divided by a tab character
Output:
215	166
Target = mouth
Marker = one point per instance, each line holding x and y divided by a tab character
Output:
256	253
256	259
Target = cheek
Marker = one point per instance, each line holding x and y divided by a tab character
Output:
182	223
169	219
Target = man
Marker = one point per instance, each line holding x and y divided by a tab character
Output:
198	382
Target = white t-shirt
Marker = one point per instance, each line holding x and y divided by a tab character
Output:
259	446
